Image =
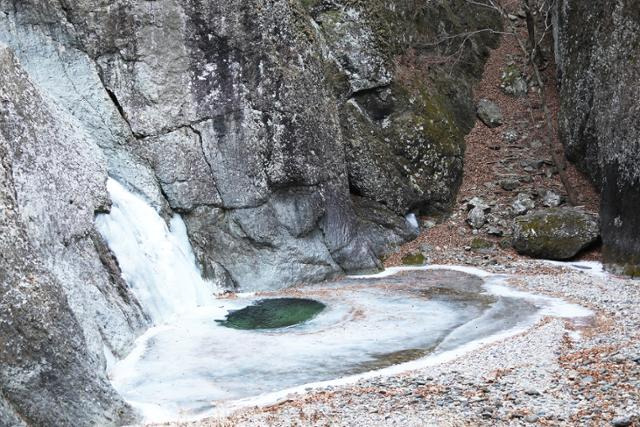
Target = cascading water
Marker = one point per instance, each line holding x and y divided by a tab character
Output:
157	261
352	326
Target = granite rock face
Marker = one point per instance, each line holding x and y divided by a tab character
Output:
258	120
598	55
58	308
292	136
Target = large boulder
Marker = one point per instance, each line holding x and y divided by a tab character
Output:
556	233
599	67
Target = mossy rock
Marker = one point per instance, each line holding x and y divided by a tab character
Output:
481	245
632	270
413	259
512	81
556	233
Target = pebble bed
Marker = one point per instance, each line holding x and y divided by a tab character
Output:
559	372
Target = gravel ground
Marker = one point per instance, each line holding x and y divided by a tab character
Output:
559	372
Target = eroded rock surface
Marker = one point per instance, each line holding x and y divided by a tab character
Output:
597	49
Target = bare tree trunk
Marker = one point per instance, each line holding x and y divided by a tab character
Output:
531	23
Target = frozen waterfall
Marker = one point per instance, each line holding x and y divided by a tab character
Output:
157	261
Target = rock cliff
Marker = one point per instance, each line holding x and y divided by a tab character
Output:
293	136
598	54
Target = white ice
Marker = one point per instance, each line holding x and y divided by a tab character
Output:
413	221
157	261
187	365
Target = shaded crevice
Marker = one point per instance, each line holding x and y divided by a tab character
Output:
369	91
121	111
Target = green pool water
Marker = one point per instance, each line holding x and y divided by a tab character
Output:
273	313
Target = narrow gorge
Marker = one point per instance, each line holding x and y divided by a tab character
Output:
210	206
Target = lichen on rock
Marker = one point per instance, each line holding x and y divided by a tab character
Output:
555	233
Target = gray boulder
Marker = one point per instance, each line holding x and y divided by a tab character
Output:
522	204
555	233
489	113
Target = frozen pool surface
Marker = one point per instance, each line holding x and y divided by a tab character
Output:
193	364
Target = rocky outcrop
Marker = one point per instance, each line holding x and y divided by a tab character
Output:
51	372
258	127
555	233
292	136
597	49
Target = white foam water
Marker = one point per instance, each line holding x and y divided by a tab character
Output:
157	261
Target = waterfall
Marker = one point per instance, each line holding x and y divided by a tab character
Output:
157	261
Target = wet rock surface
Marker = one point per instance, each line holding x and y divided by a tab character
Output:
559	233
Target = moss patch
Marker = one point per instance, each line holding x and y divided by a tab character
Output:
413	259
481	245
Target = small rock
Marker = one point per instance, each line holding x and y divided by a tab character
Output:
536	143
509	184
481	245
510	135
495	231
477	202
522	204
551	199
513	83
535	164
476	217
489	113
413	259
622	422
427	224
531	418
